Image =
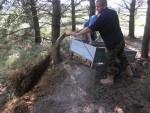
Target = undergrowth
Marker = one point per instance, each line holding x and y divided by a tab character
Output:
17	53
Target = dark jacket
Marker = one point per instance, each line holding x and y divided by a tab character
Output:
108	26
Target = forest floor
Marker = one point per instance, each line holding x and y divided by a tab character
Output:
73	87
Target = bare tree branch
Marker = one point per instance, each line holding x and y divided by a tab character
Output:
126	5
139	4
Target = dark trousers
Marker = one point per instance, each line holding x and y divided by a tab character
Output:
113	55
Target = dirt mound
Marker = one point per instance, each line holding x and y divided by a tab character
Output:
71	88
72	95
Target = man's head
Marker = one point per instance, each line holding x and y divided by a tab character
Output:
100	5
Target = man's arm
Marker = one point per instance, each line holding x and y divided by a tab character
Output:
83	31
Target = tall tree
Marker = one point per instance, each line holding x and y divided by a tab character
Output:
74	4
73	15
131	19
92	7
56	17
146	37
35	21
132	8
92	12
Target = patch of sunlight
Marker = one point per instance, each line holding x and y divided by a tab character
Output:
24	25
43	54
12	59
45	32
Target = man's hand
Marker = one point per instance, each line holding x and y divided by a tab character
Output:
83	31
72	33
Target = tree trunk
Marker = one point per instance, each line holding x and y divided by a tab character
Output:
92	7
92	12
131	19
73	15
35	22
56	29
56	20
146	37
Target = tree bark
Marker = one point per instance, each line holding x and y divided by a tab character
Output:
56	17
35	22
146	37
131	19
73	15
92	7
92	12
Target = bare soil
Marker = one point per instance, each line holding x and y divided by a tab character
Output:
72	87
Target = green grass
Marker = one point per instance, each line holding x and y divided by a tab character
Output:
17	53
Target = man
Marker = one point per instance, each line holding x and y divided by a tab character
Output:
108	26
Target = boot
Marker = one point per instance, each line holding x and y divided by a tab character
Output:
108	81
129	71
